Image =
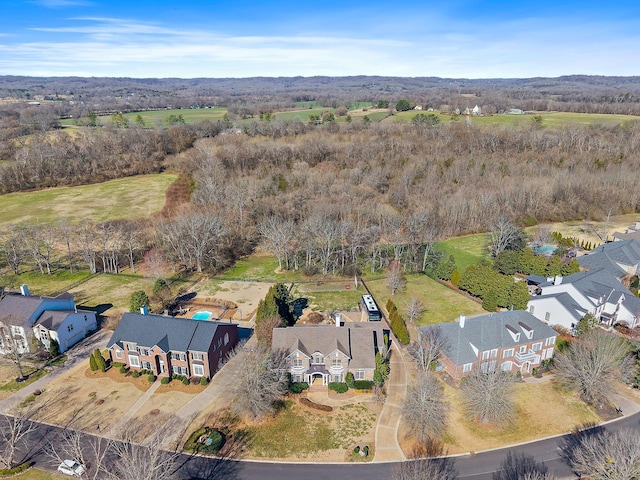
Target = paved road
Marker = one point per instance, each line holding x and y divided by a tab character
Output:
477	467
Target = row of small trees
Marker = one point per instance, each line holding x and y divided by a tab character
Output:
525	261
495	289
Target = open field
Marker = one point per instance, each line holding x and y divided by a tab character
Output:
155	118
549	119
125	198
441	303
467	250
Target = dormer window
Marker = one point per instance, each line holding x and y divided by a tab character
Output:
515	334
318	358
528	331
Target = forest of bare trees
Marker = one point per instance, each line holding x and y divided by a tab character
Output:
329	200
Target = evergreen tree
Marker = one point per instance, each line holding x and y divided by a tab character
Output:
92	363
489	302
54	348
99	359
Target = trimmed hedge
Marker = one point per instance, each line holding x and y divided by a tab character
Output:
363	384
204	381
165	380
151	378
317	406
338	387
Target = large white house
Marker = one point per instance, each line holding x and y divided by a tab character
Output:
47	318
564	301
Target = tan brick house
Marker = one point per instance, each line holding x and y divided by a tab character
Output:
168	345
326	352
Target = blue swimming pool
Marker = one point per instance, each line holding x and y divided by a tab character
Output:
202	315
545	249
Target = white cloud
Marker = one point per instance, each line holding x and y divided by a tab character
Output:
123	47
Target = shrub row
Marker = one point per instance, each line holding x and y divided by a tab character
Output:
182	378
317	406
397	323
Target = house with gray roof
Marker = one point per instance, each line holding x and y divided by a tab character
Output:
168	345
325	353
621	258
23	315
632	233
599	292
512	341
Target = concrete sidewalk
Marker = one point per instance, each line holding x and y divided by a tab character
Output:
77	354
387	446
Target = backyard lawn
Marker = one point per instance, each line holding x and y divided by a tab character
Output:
441	303
467	250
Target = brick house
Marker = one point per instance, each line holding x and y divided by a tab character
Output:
511	341
168	345
327	352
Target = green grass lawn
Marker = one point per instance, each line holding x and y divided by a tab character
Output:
330	296
441	303
302	115
156	118
125	198
59	281
549	119
466	250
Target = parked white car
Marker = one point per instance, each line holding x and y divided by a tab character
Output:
71	468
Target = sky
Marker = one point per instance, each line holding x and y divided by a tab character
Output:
282	38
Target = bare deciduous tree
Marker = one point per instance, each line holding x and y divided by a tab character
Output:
504	234
259	384
422	469
88	450
395	279
518	466
13	433
143	462
414	309
427	349
424	410
278	233
12	245
487	395
14	341
604	455
591	364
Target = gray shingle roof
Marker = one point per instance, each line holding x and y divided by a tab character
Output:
490	331
19	307
51	320
609	255
356	340
602	282
168	333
